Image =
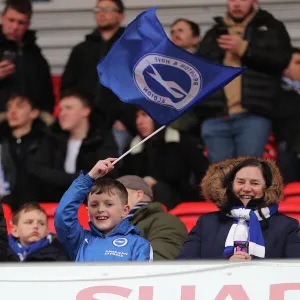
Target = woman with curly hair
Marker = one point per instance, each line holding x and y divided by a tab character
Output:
250	189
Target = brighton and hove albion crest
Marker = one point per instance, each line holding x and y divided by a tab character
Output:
167	80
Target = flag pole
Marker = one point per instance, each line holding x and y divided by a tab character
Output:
140	143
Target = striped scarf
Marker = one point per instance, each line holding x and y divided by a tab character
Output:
256	240
135	208
24	251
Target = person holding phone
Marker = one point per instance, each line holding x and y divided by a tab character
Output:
237	118
23	68
7	66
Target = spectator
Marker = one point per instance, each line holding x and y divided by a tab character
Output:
81	70
186	35
30	240
3	236
238	117
73	144
166	233
23	68
286	121
20	139
167	162
250	189
112	237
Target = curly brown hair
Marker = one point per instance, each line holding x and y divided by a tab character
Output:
217	179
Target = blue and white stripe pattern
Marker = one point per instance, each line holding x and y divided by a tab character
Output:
256	240
135	208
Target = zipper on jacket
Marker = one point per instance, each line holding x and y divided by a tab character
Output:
21	76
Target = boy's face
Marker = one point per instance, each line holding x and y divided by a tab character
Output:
293	70
14	24
71	113
144	123
182	35
20	113
32	227
106	211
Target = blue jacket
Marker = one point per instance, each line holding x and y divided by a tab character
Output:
122	244
207	239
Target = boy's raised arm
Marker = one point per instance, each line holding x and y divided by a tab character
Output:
68	228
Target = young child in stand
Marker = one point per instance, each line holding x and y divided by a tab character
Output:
111	237
30	240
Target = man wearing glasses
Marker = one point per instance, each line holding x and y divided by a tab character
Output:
81	70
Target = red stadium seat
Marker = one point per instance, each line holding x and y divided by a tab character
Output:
189	212
271	148
8	215
290	208
83	217
292	191
50	211
56	81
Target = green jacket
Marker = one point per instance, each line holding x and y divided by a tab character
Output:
165	232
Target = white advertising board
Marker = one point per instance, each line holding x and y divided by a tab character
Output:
158	281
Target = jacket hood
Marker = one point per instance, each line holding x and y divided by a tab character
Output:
124	228
95	134
260	17
38	129
146	211
214	183
28	39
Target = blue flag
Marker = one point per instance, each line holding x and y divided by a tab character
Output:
145	68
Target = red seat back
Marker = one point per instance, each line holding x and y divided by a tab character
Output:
56	80
189	212
8	215
292	191
83	217
50	209
290	208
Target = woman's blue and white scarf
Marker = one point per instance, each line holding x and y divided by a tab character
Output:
256	240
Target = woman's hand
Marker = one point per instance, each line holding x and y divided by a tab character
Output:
238	256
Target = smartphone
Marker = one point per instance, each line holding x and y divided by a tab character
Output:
9	56
222	27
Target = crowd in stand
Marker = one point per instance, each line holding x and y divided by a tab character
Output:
47	159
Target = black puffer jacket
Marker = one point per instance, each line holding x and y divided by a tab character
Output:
16	155
32	75
286	122
51	253
81	73
48	165
267	55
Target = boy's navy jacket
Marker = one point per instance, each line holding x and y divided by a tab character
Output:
122	244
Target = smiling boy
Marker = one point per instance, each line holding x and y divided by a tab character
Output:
111	237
